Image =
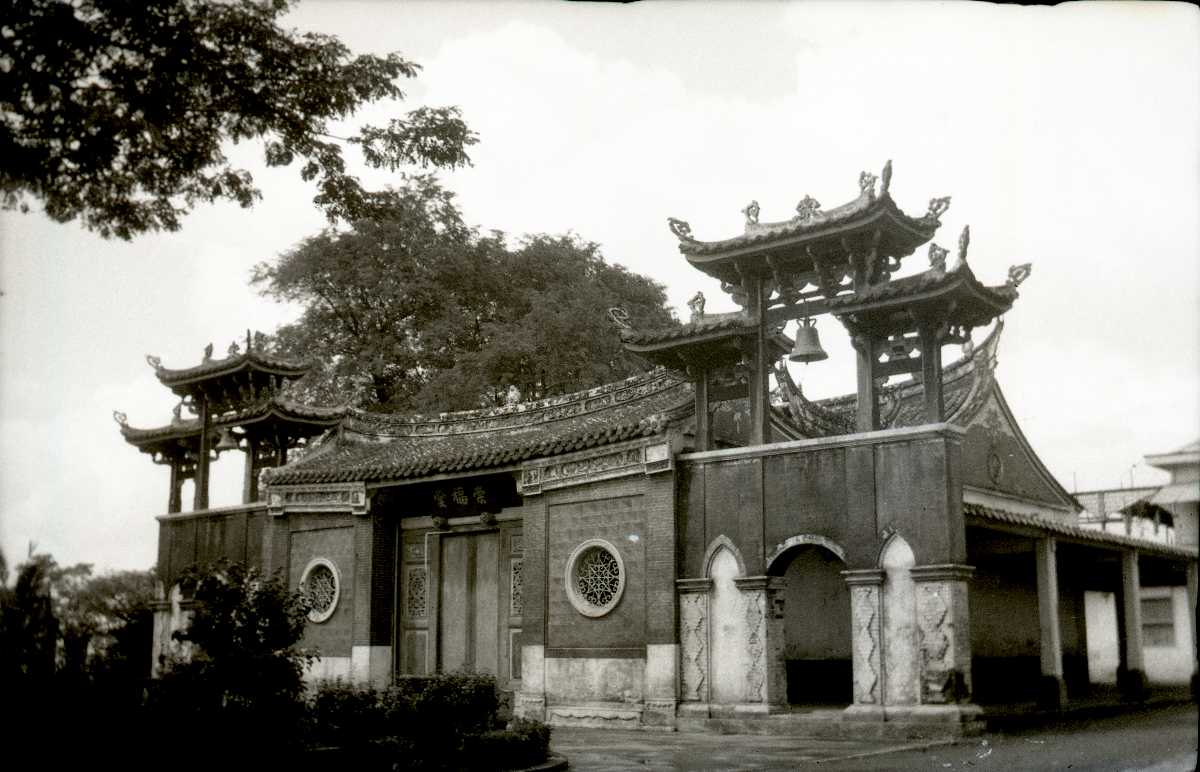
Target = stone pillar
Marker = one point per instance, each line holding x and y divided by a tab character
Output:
760	403
200	478
766	671
867	411
944	642
866	615
1131	675
931	375
175	499
1052	692
703	439
250	472
693	645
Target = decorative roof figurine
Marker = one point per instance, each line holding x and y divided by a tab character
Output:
808	208
1018	274
680	228
696	306
751	213
937	258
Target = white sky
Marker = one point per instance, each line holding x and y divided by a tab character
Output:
1067	136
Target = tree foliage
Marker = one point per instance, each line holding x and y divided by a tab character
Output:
117	112
417	311
244	636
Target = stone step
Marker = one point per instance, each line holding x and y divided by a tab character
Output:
827	725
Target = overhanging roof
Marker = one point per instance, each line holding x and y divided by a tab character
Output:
1177	493
980	515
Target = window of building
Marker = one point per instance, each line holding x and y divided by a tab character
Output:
1158	622
321	584
595	578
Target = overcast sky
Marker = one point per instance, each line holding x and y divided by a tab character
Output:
1067	137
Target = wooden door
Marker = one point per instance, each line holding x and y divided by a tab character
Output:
469	590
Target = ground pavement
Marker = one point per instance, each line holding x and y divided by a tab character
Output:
1162	740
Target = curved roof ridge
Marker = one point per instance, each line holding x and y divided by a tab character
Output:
227	365
537	412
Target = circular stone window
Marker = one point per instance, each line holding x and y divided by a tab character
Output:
321	584
595	578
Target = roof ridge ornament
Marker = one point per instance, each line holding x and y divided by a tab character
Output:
208	353
1018	274
234	349
885	178
680	228
751	212
696	306
153	361
120	418
964	241
620	317
808	208
937	258
937	208
866	184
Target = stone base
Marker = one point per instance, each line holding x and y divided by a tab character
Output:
659	714
527	705
594	717
1052	693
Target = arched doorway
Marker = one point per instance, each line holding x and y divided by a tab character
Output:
817	637
900	663
727	645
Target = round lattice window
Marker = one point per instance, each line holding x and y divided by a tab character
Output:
321	584
595	578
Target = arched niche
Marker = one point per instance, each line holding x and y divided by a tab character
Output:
779	558
727	627
717	544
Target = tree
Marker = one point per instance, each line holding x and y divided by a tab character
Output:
116	112
245	661
417	311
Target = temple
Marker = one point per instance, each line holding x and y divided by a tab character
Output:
691	547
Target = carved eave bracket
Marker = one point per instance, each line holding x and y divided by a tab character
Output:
350	498
590	466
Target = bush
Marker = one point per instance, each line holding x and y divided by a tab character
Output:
434	722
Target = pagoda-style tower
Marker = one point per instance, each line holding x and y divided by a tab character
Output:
840	261
238	404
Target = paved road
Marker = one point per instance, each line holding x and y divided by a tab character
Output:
1156	741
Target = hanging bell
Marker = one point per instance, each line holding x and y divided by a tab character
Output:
227	441
808	344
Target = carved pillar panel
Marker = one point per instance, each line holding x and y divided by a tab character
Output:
766	671
944	633
866	614
693	639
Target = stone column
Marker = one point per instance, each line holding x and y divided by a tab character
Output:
703	439
693	645
944	641
866	615
1052	691
766	671
867	410
1131	675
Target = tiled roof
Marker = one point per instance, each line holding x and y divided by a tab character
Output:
231	364
279	407
705	326
922	283
1114	500
865	206
376	447
1074	532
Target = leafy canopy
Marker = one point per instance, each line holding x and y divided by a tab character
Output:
116	112
416	311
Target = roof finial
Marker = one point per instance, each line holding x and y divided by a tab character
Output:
208	352
680	228
885	178
696	306
751	212
154	361
808	208
247	340
964	240
1018	274
120	418
234	349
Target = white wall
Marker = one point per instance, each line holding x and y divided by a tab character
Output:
1172	664
1103	652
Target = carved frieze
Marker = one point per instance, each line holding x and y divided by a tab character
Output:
416	594
333	497
756	643
602	464
866	644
